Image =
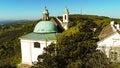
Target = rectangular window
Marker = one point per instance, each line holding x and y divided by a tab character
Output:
36	45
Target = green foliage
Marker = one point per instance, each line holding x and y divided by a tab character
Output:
10	50
76	64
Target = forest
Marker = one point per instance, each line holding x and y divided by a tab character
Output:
10	50
77	52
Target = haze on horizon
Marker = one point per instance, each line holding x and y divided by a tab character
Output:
32	9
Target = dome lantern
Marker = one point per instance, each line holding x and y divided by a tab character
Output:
45	14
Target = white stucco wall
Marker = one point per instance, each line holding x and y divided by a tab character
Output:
37	51
26	52
29	52
66	27
109	42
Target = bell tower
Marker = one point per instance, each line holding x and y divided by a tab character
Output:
66	15
65	18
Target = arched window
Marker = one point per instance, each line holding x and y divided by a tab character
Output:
65	17
36	45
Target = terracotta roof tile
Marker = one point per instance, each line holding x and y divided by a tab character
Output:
106	31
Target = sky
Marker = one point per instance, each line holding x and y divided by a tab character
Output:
32	9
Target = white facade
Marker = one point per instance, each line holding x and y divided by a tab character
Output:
29	52
108	43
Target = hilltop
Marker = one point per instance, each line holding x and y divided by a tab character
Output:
10	53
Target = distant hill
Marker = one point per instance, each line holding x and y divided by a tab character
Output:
14	21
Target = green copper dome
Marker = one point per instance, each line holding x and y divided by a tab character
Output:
45	27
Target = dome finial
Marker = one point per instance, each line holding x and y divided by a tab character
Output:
66	4
44	3
45	8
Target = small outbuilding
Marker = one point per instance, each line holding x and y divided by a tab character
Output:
110	41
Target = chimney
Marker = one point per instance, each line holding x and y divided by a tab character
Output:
112	23
117	26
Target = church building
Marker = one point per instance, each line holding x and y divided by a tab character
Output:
110	41
44	33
